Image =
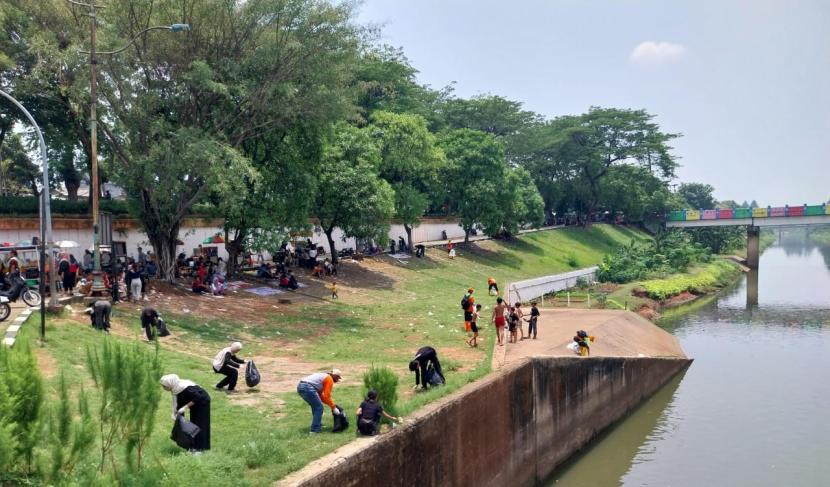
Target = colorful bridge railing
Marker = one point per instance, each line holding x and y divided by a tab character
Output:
741	213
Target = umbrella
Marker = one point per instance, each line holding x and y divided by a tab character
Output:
67	244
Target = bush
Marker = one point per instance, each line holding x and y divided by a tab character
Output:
383	380
23	389
572	261
29	205
71	436
670	252
713	276
264	450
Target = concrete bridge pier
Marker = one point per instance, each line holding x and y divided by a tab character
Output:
753	246
752	288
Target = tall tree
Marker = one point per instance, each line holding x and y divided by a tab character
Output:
473	177
350	195
410	162
180	109
698	195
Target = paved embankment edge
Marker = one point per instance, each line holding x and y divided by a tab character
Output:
14	327
512	428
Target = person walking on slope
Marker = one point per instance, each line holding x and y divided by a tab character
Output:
315	390
227	363
492	287
468	303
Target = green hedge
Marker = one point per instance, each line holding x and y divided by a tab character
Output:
713	276
29	206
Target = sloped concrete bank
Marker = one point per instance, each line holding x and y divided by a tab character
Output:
513	428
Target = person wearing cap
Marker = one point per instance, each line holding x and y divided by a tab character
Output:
227	363
315	390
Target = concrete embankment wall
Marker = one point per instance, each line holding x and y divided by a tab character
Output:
513	428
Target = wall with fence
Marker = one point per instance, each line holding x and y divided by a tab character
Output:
523	291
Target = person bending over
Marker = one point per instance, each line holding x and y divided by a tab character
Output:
425	357
227	363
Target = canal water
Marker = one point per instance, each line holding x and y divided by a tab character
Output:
754	407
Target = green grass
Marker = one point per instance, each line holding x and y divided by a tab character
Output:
256	445
820	235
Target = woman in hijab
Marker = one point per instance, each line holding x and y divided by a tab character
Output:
227	363
187	395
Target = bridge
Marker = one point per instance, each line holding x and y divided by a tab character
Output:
752	219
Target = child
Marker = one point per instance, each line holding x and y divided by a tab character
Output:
334	290
534	317
473	342
584	342
513	324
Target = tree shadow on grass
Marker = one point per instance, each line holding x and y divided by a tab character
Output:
496	257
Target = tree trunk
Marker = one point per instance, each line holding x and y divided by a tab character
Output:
332	250
408	236
234	247
466	235
72	189
162	236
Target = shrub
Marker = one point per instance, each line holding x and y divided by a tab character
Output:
29	205
71	436
670	252
572	261
261	451
25	393
713	276
383	380
126	377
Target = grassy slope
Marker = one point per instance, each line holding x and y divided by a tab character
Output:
382	325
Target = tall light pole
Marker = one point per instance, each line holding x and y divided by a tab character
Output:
45	222
98	287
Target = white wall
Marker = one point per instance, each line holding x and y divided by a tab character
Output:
193	236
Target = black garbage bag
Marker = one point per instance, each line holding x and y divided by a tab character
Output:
162	328
341	422
252	377
184	432
432	377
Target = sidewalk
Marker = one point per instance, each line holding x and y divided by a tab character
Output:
12	324
476	238
618	334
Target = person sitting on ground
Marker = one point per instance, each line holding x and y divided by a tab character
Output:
369	414
292	281
318	271
425	359
149	321
315	390
284	280
264	271
198	286
227	363
331	269
419	251
218	286
401	245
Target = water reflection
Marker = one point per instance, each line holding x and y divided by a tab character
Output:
752	408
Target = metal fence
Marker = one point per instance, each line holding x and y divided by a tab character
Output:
523	291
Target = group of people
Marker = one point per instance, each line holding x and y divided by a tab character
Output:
208	278
504	316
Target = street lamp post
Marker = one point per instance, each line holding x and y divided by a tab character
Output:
98	287
45	222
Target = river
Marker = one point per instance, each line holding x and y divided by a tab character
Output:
754	407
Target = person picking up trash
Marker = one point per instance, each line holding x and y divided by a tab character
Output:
315	390
369	414
227	363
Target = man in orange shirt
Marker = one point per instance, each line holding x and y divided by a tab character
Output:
315	390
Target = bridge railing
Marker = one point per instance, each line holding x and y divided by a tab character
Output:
742	213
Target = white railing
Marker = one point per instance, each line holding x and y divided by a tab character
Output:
523	291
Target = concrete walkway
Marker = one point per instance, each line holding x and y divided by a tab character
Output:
477	238
12	324
618	334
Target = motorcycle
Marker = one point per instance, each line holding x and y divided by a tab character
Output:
16	288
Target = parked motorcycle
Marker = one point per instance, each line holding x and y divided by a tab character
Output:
17	289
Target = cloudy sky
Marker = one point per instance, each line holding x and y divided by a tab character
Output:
747	82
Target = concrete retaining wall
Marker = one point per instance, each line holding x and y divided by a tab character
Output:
513	428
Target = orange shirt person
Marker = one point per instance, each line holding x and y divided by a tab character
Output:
315	390
492	287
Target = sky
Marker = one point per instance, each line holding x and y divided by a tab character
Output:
747	82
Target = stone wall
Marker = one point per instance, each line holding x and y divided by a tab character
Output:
513	428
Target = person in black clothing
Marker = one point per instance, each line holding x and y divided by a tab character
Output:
187	395
99	315
419	251
534	317
369	413
149	321
227	363
425	358
401	245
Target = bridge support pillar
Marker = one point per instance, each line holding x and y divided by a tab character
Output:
753	246
752	288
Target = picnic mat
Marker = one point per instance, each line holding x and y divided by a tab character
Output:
264	291
234	285
399	256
